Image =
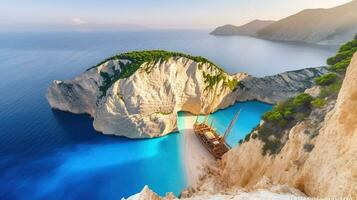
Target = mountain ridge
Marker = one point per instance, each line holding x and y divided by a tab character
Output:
333	26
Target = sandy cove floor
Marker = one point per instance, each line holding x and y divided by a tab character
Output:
195	156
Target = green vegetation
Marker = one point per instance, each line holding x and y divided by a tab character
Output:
212	80
215	76
302	101
326	79
286	114
331	91
282	116
342	59
138	58
289	110
231	84
318	103
331	83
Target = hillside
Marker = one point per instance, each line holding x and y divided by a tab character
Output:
323	26
249	29
327	26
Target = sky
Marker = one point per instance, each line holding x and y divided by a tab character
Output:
152	14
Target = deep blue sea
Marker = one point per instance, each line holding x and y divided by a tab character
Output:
46	154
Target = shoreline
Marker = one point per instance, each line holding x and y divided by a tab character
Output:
194	155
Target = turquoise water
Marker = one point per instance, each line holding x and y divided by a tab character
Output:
249	117
72	161
46	154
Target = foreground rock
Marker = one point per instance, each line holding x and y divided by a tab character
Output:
318	159
137	98
232	194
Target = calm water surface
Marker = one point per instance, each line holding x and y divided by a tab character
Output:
249	117
47	154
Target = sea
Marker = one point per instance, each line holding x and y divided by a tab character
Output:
49	154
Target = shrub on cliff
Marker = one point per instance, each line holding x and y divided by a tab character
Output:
331	91
138	58
341	60
285	115
290	110
326	79
302	100
318	103
273	115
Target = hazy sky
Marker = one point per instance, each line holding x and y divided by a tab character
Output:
33	14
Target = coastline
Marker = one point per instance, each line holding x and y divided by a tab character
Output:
194	155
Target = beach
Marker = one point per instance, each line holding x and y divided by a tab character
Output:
195	156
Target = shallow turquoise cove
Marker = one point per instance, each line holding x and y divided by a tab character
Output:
249	118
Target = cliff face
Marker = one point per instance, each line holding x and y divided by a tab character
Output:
145	103
329	170
249	29
273	89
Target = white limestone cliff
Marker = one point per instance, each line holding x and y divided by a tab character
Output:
146	103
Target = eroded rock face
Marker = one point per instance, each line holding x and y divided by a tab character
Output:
329	170
276	88
146	103
275	193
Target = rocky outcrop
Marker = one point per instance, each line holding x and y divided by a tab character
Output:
145	194
276	193
321	163
145	103
276	88
249	29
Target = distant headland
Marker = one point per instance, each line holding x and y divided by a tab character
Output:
322	26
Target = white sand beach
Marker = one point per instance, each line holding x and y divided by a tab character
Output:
195	156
